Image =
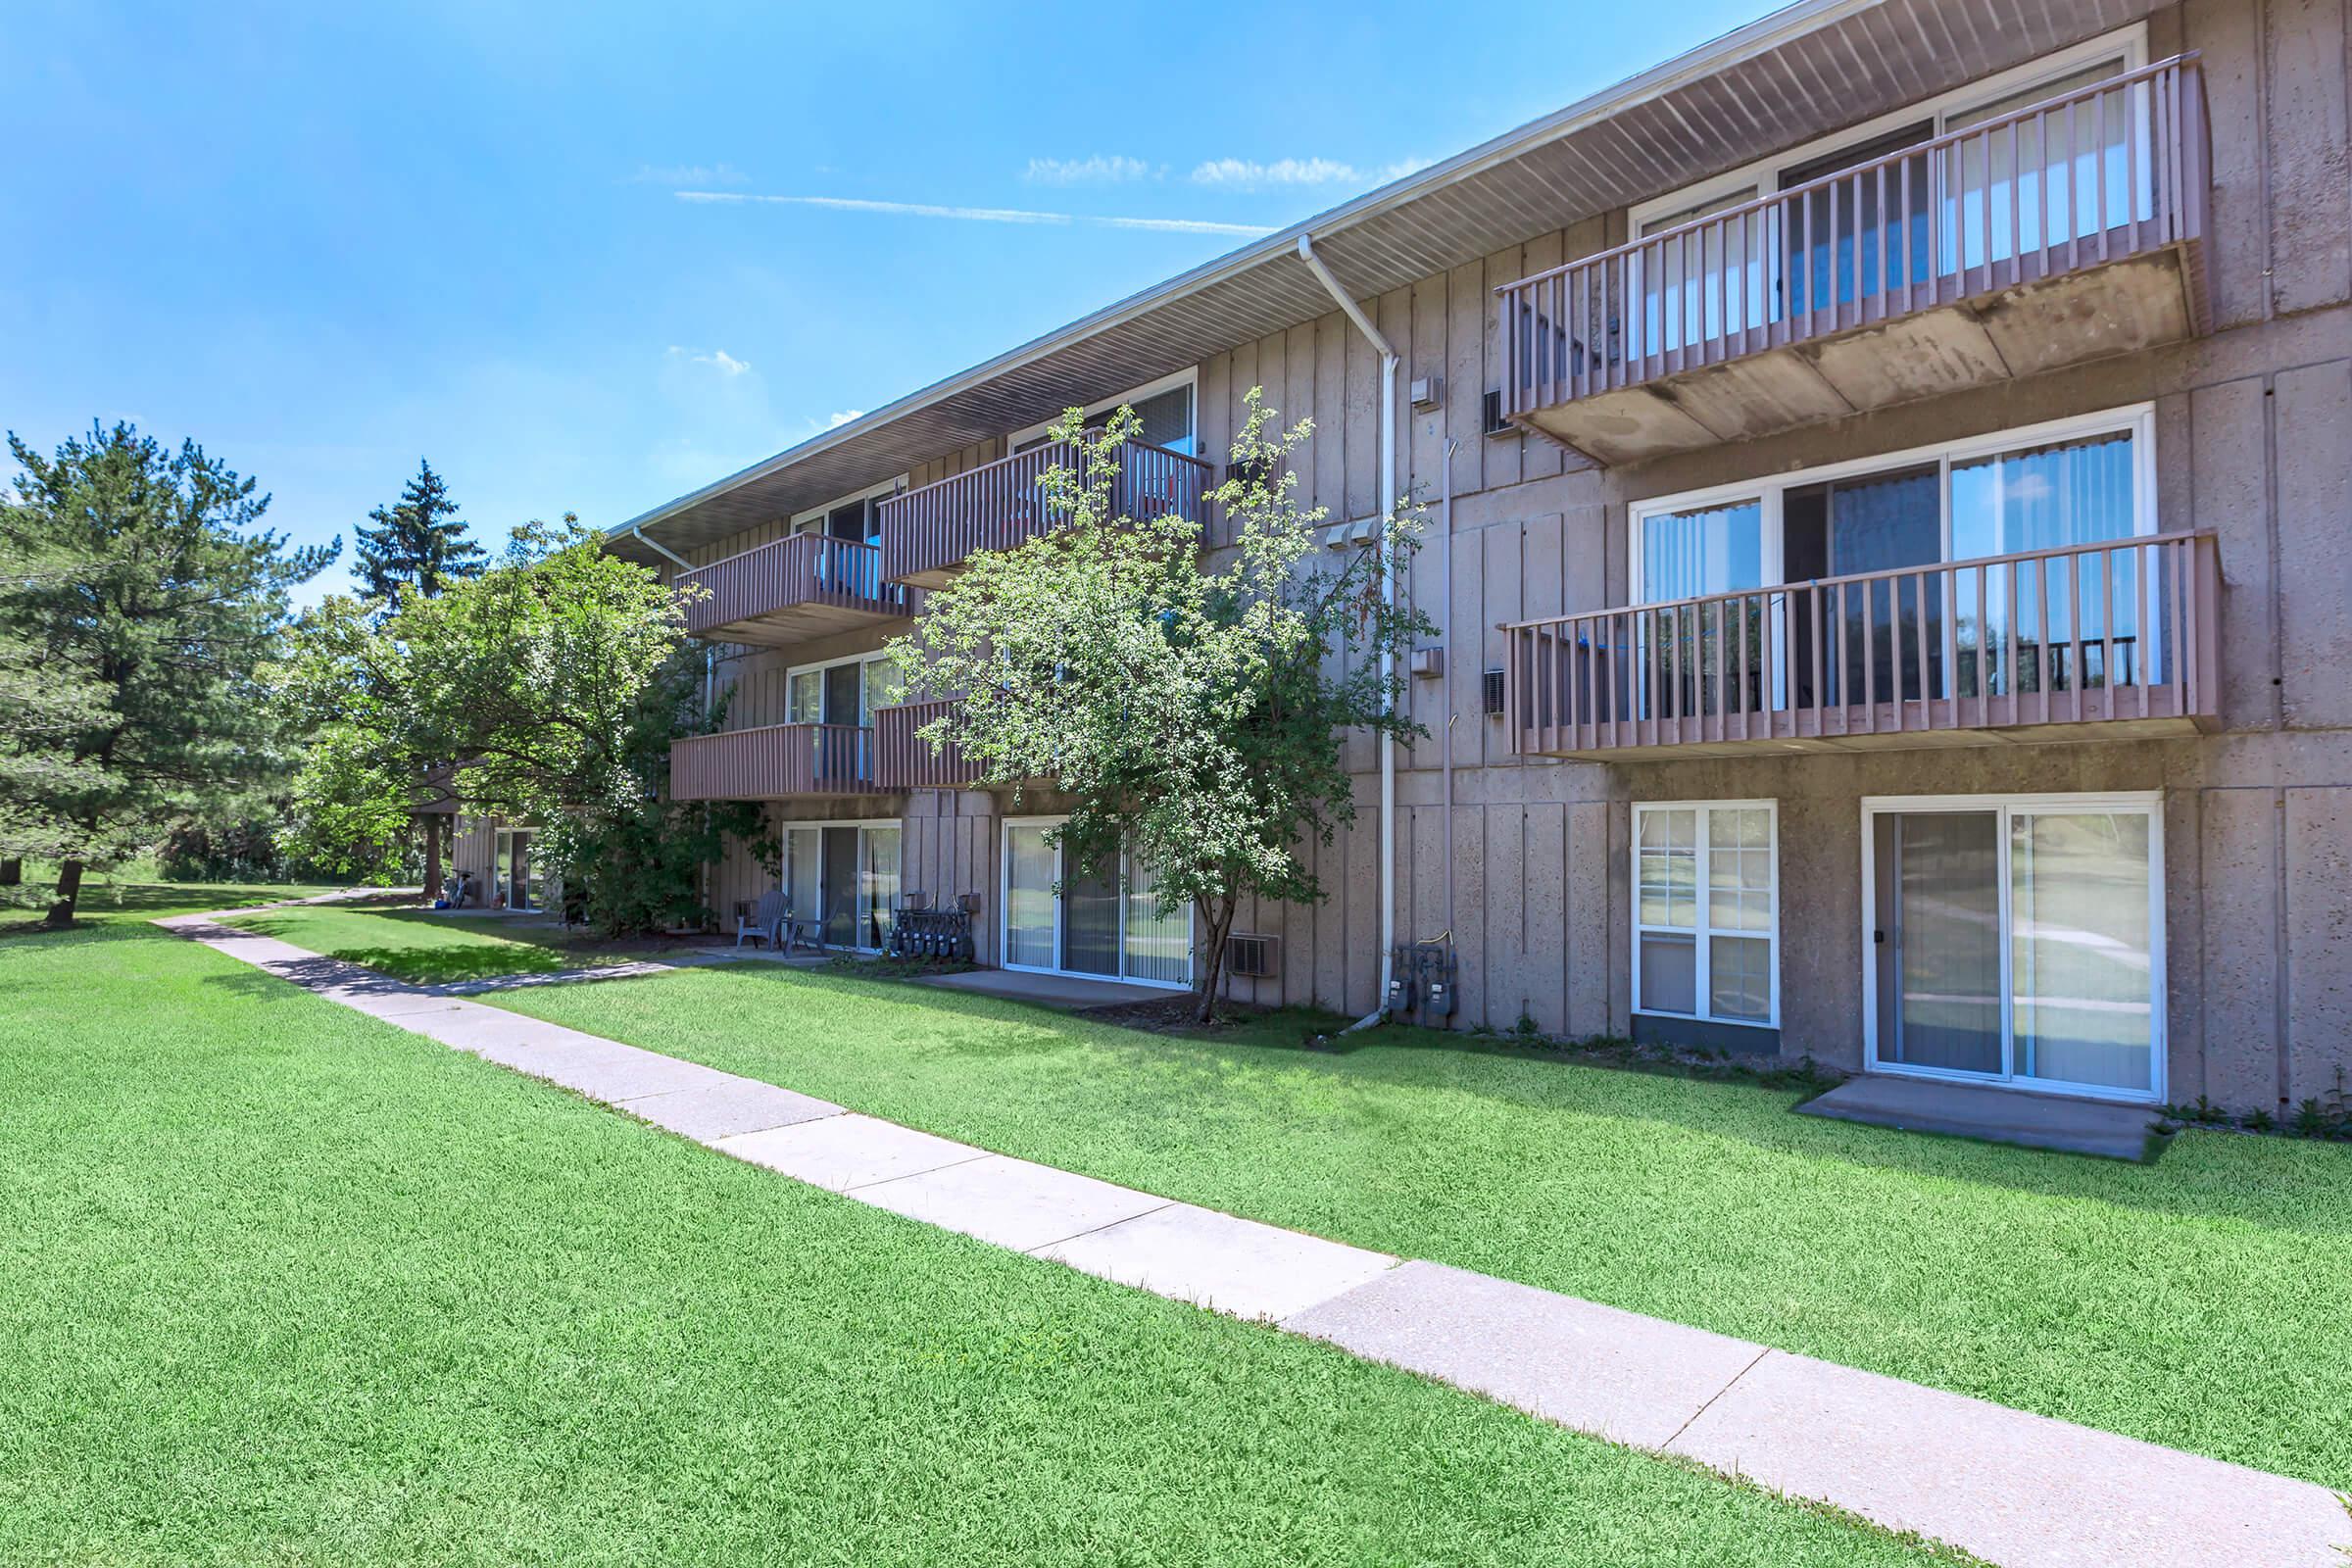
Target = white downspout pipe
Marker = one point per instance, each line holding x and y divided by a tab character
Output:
1388	592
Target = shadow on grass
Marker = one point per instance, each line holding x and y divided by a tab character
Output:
2277	1184
464	954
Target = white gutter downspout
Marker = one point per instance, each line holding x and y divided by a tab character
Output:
1388	594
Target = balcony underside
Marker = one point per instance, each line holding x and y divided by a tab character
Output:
1932	726
2046	323
790	625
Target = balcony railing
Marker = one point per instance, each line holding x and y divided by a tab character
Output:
2114	171
903	760
2125	632
773	761
797	587
929	533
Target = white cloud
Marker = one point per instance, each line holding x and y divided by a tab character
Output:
834	421
720	359
689	174
979	215
1246	173
1098	169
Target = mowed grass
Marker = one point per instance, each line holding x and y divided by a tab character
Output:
416	945
280	1283
104	897
2204	1302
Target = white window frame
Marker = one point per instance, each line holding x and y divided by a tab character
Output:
2147	802
1767	491
864	825
1061	874
793	673
814	520
1135	394
1702	930
1764	174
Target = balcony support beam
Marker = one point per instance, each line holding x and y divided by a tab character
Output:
1388	594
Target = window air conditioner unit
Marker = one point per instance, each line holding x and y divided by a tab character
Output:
1253	957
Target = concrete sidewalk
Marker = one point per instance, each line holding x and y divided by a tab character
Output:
2013	1488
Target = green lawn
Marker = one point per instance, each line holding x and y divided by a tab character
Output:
283	1284
417	945
2203	1303
104	896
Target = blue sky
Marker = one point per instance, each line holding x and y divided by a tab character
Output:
327	240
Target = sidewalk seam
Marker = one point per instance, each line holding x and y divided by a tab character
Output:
1669	1443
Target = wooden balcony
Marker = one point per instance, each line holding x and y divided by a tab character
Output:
2066	231
928	534
2091	642
903	760
793	589
773	761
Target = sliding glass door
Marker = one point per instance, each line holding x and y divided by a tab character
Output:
2019	941
1066	920
1863	584
846	877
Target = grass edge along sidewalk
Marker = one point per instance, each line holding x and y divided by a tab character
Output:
2012	1486
293	1287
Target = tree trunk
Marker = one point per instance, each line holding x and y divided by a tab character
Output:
69	891
12	872
1213	958
433	857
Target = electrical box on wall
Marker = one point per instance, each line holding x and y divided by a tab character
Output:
1426	391
1428	663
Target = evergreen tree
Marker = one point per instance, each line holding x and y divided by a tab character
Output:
418	546
149	603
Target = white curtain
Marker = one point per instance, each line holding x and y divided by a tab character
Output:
2080	957
877	885
1158	948
1032	866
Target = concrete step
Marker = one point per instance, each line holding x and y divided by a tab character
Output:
1995	1116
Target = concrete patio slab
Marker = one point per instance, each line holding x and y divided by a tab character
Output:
2020	1489
709	1112
842	1154
1625	1377
1010	1202
1067	991
1215	1260
1996	1116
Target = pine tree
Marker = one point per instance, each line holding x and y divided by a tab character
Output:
418	546
137	580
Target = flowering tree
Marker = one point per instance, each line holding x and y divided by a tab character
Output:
1192	712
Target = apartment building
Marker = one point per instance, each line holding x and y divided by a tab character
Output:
1890	476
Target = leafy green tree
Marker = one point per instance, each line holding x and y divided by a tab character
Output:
418	546
150	602
1193	713
557	679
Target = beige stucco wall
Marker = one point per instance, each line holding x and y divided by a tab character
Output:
2253	442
